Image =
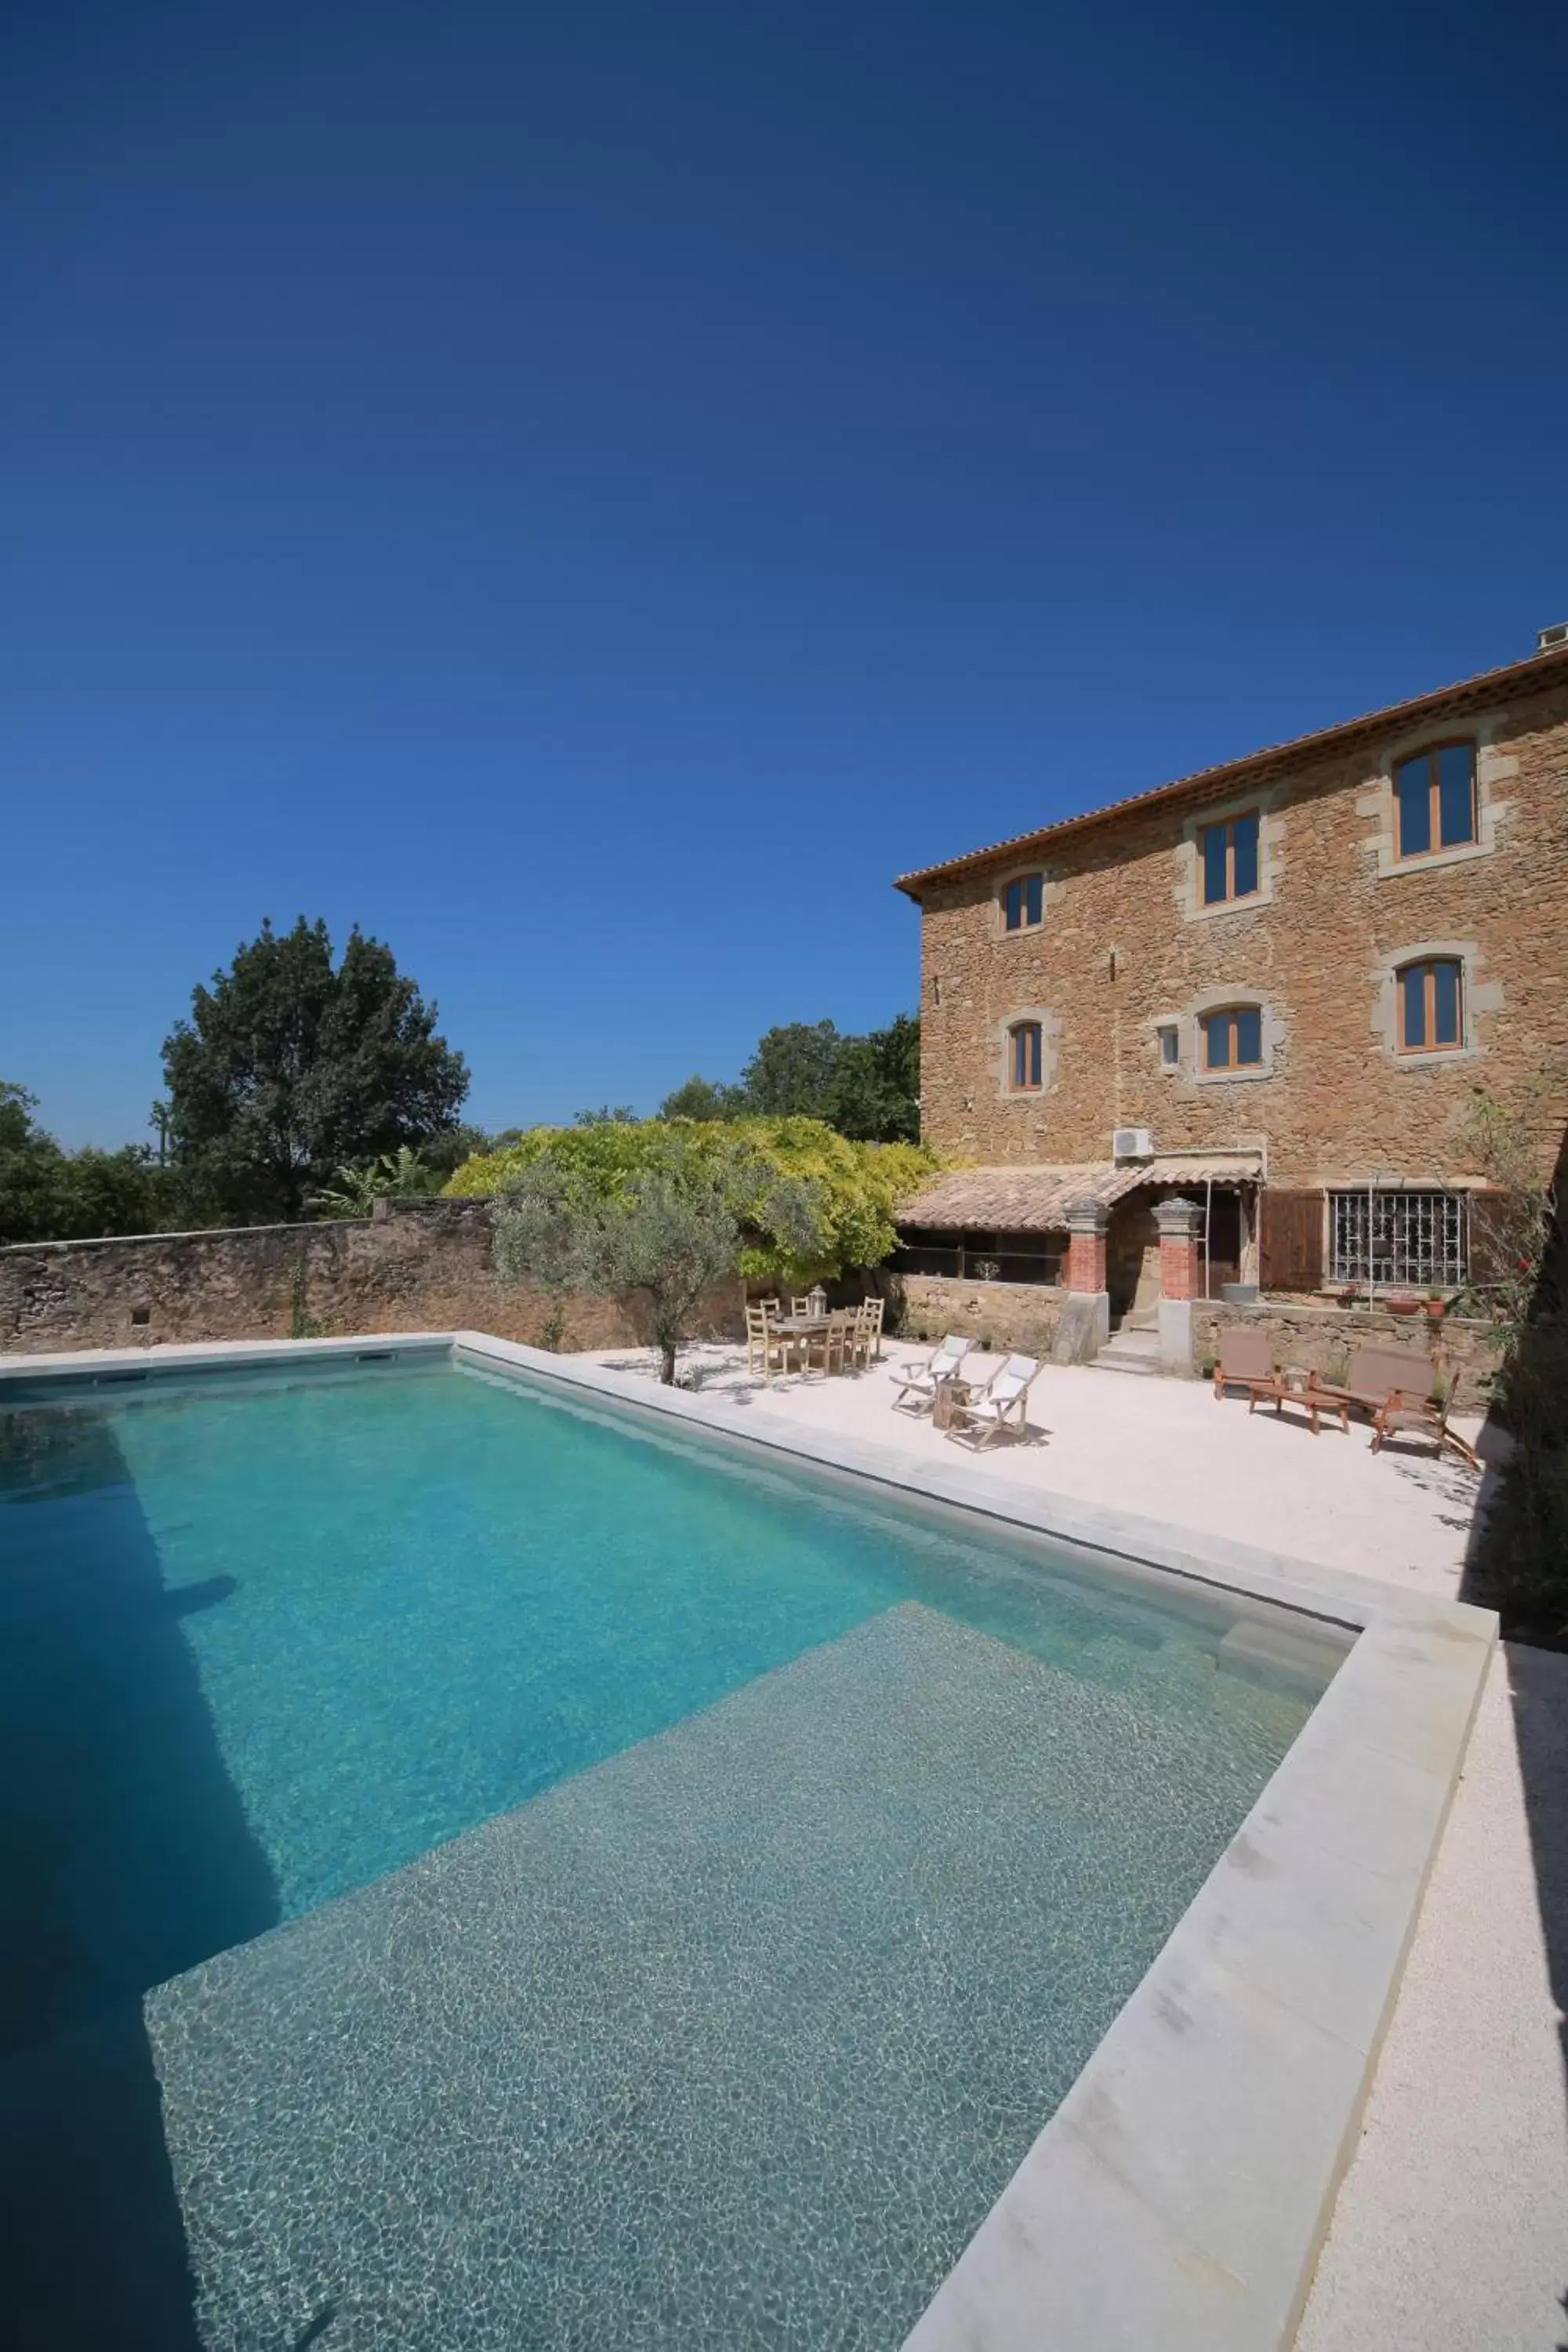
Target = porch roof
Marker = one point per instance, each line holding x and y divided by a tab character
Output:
1036	1199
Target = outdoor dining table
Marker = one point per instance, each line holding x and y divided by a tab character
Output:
802	1327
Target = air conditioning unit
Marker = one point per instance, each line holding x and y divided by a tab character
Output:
1131	1143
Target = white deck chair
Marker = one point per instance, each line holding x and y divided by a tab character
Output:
917	1383
1001	1411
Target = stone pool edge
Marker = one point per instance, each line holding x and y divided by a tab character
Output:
1181	2192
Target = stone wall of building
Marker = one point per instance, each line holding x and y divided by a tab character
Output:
415	1266
1124	946
1018	1317
1321	1339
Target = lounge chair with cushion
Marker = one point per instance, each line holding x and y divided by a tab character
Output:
1244	1359
918	1384
1394	1388
1001	1408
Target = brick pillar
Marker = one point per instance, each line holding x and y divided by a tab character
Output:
1087	1221
1179	1223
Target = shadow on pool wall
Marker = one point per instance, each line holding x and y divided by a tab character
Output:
125	1856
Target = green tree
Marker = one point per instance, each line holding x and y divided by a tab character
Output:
29	1170
668	1234
866	1088
443	1152
291	1066
791	1073
622	1115
875	1095
810	1203
49	1195
699	1099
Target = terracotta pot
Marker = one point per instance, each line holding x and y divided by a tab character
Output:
1400	1306
1436	1308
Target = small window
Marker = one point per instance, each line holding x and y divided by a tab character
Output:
1023	1058
1435	794
1023	901
1431	1008
1169	1044
1230	859
1233	1040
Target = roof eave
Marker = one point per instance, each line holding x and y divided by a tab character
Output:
1252	764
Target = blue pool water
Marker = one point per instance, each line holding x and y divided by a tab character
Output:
264	1642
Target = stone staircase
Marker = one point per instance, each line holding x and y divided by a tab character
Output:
1134	1349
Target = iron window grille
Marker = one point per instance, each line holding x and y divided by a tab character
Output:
1414	1240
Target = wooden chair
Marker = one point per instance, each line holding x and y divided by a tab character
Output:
1245	1360
838	1342
917	1383
858	1341
1420	1417
765	1352
871	1313
1393	1388
1000	1411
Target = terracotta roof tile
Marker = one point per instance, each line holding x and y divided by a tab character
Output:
1036	1199
1544	666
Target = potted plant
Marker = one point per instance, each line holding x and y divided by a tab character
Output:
1437	1306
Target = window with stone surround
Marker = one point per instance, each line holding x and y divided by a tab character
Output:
1227	857
1431	1003
1233	1038
1025	1057
1022	902
1435	800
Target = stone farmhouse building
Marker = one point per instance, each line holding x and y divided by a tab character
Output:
1248	1011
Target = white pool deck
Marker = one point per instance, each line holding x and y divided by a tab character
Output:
1451	2228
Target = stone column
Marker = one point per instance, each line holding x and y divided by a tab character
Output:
1087	1221
1086	1311
1179	1223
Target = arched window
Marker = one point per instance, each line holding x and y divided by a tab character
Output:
1233	1038
1025	1057
1431	1005
1434	798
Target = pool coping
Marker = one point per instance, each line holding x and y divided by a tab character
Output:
1181	2192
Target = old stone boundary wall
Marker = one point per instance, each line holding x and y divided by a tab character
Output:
416	1266
1459	1349
1017	1318
426	1266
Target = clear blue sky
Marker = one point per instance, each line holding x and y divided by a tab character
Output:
591	491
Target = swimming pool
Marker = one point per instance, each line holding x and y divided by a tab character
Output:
822	1839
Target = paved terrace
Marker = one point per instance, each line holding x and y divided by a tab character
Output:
1451	2229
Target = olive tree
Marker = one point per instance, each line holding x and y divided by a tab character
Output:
667	1234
